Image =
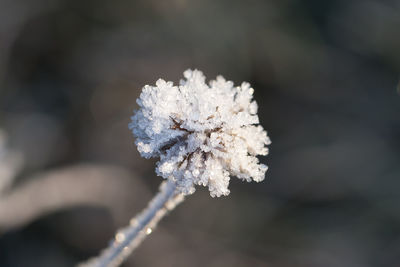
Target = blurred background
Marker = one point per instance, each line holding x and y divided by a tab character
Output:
326	78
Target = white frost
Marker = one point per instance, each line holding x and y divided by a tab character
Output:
203	134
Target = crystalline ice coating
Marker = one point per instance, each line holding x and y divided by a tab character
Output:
202	134
119	237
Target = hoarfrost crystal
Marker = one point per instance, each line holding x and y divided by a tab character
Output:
203	134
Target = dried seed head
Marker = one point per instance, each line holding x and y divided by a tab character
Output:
203	134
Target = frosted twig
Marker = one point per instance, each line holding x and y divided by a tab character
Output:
90	185
128	238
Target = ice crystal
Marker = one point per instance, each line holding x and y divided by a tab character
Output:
203	134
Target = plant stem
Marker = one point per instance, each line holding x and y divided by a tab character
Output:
130	237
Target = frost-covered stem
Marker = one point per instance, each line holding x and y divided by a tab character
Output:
130	237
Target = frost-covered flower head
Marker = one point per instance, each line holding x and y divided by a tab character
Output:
203	134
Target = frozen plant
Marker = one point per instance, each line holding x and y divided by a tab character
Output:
202	134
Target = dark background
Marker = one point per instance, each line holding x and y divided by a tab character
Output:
326	77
